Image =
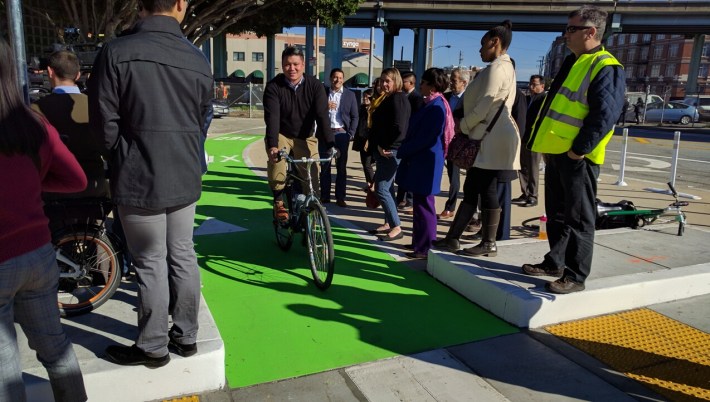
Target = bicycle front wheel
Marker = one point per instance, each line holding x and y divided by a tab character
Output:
90	271
320	245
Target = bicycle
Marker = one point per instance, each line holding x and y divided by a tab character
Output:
88	255
642	217
307	215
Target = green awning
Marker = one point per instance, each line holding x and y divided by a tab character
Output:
257	74
360	79
238	74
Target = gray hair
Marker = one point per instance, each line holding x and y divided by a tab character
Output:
464	75
594	15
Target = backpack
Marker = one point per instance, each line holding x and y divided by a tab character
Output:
616	215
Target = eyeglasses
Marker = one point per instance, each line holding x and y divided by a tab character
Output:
575	28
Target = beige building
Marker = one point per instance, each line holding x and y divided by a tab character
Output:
246	56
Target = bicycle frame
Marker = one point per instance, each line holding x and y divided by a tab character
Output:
292	172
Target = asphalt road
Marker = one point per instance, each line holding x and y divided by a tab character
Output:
649	157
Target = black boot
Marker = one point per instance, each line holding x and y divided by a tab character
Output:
451	241
487	247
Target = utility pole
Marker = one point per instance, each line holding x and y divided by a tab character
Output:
541	62
460	58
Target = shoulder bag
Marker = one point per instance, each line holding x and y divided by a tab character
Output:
463	150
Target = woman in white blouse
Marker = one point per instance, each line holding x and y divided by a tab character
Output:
498	159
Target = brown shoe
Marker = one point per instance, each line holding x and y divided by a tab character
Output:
280	211
564	286
446	214
542	269
341	203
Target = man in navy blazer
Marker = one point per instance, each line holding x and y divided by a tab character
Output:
343	114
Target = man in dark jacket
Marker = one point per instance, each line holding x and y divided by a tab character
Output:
149	97
294	104
529	173
344	120
416	102
459	80
575	124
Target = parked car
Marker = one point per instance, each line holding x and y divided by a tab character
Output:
674	112
702	102
219	108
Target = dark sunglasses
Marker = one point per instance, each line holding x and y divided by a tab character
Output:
575	28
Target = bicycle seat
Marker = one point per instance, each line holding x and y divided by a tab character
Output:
681	204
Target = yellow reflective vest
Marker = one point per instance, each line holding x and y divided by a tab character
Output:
569	107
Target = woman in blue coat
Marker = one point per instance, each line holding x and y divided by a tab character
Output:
422	157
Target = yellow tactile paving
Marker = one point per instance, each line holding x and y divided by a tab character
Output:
193	398
668	356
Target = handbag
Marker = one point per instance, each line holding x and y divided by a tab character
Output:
463	150
371	200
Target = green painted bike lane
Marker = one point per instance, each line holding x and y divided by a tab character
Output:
276	324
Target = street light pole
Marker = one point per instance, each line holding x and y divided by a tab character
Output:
431	54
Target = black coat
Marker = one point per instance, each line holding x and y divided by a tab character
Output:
390	121
149	98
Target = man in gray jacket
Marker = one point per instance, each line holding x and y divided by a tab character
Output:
149	98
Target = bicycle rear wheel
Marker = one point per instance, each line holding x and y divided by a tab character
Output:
282	229
97	272
320	245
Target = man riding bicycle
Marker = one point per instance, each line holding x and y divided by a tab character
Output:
294	104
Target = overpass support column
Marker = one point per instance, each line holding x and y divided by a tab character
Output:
388	51
333	49
309	51
691	86
219	55
270	57
420	53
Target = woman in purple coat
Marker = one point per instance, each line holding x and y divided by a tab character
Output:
422	153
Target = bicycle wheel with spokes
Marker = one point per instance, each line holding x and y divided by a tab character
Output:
320	245
89	268
283	230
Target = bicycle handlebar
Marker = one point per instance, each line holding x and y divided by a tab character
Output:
283	154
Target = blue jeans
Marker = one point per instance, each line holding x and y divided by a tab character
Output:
28	296
342	142
384	186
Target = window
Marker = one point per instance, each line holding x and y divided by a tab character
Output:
646	37
622	39
237	56
673	50
630	72
257	56
660	36
644	54
706	50
658	52
670	70
632	55
655	70
620	55
703	70
633	38
610	40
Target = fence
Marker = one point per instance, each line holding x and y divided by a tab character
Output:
244	99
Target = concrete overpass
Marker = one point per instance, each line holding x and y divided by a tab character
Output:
687	17
631	16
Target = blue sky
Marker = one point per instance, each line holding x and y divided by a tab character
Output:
527	47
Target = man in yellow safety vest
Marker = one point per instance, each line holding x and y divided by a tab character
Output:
572	129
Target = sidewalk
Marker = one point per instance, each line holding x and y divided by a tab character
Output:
534	365
531	366
612	357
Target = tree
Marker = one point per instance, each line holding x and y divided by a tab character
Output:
205	18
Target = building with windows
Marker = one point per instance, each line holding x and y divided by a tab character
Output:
659	62
246	56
